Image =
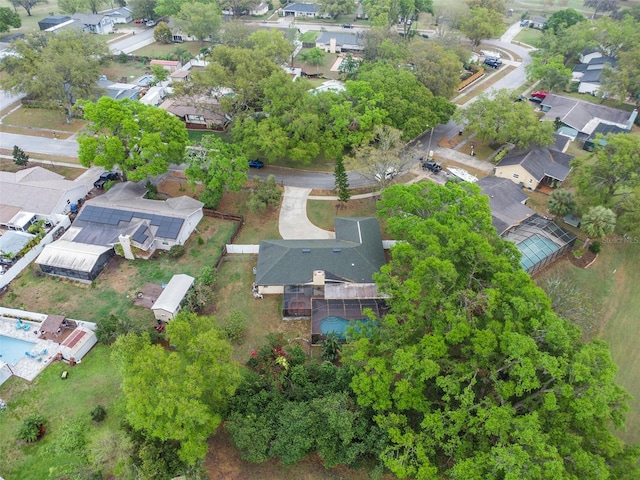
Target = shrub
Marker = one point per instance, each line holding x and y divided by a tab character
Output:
595	247
207	275
200	240
235	327
177	251
32	428
152	191
98	414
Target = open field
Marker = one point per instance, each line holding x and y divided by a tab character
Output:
529	36
613	283
115	70
41	118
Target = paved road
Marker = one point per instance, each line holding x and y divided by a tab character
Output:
142	36
50	146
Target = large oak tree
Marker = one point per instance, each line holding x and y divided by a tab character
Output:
471	374
140	139
57	70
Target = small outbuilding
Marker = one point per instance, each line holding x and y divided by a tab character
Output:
169	302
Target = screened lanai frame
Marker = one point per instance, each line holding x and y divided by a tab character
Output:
349	309
540	231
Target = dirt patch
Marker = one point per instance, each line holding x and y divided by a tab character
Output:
175	185
583	261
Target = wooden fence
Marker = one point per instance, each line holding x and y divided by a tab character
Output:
225	216
471	79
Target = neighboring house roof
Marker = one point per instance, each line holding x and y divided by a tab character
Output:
71	255
207	108
52	21
540	20
123	211
540	162
119	91
34	189
591	76
341	39
166	63
119	12
89	18
173	293
302	8
584	116
599	62
506	200
580	68
11	242
604	129
354	256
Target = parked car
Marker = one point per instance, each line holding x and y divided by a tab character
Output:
347	25
524	23
151	23
388	174
104	178
430	165
255	163
541	94
140	21
493	62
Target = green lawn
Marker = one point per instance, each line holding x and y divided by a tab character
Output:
61	403
130	70
157	50
530	36
43	118
612	282
309	36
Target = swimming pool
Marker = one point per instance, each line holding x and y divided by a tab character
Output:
338	325
13	349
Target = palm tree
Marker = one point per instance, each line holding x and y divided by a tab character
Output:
561	203
599	221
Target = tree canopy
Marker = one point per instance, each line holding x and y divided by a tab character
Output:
9	19
563	19
437	67
499	119
218	166
550	71
471	374
141	139
178	394
56	70
202	20
481	24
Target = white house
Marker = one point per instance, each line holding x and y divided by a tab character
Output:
98	23
37	193
120	15
309	10
260	9
168	304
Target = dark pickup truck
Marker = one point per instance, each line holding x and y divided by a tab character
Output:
430	165
104	178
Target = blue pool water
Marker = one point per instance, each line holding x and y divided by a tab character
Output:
534	249
338	325
13	349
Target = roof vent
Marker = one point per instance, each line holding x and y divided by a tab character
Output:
306	250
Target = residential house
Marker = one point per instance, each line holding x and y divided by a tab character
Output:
537	23
120	15
261	9
95	23
534	167
182	75
589	75
352	257
589	54
120	218
580	118
155	95
169	303
336	42
507	202
38	194
309	10
52	21
198	113
170	65
599	136
119	91
329	281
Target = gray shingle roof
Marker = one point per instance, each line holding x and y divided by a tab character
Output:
302	7
506	201
584	116
591	76
354	256
341	38
540	162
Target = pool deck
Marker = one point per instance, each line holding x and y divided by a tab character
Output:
28	368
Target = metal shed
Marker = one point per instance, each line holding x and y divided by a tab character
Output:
168	303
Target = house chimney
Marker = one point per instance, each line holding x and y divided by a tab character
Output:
318	277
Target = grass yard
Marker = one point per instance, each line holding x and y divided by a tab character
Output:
309	36
38	12
324	70
66	406
70	173
612	281
323	212
129	70
41	118
529	36
157	50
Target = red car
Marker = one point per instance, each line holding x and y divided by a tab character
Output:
140	21
541	94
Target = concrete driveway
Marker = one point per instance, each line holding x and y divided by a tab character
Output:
293	222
